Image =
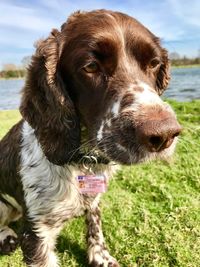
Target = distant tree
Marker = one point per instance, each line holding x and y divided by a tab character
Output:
174	56
26	61
12	71
9	66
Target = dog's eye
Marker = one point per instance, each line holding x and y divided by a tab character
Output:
155	62
91	67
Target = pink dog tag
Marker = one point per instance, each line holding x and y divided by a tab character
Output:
92	184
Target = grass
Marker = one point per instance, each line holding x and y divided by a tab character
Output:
151	212
186	66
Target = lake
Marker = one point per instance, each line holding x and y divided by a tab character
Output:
184	86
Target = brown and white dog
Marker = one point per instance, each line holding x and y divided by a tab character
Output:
92	91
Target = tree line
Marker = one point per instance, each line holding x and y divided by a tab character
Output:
177	60
12	71
18	73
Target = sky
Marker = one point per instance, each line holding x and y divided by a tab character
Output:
22	22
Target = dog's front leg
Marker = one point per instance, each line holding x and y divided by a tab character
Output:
97	253
37	244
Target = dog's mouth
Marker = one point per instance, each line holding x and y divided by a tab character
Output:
127	152
117	152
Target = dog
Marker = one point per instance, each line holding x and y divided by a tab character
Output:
91	99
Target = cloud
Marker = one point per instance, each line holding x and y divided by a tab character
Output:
188	12
22	22
23	18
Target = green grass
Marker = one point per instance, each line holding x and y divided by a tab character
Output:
151	212
7	119
186	66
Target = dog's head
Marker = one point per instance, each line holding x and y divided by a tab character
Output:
106	70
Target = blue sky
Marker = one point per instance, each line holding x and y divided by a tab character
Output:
22	22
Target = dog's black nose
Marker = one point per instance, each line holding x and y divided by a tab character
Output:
157	135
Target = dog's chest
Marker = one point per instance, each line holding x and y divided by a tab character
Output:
53	192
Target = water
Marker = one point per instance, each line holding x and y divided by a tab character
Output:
184	86
10	93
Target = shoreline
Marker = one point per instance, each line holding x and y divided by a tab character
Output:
172	66
169	100
16	78
185	66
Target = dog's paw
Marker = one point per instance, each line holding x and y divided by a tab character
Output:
104	264
8	240
103	259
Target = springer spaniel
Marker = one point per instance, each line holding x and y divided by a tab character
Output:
91	98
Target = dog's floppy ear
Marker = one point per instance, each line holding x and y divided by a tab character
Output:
163	76
46	105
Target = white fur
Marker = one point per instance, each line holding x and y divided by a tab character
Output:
113	112
53	180
5	232
115	108
122	148
100	132
108	123
148	96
